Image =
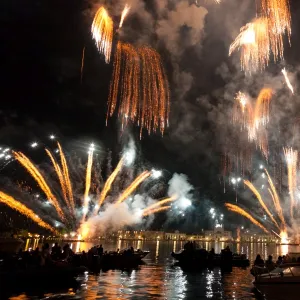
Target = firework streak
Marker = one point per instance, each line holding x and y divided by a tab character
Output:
128	191
21	208
35	173
152	211
159	203
124	14
242	212
102	31
140	83
288	83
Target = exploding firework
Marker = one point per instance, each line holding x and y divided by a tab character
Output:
124	14
291	157
102	32
288	83
256	41
242	212
141	85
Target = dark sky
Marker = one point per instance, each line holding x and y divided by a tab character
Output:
41	48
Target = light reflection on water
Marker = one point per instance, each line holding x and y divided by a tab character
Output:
159	279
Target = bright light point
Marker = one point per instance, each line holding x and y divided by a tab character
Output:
184	202
72	234
262	186
6	150
212	210
2	155
97	206
263	175
65	235
57	151
239	179
37	195
88	198
183	215
222	215
129	156
36	216
156	173
242	227
34	145
7	156
261	167
233	180
85	210
52	137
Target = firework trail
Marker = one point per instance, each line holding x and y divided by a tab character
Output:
130	189
152	211
291	157
276	200
82	64
35	173
139	74
159	203
61	180
108	184
102	32
21	208
124	14
242	212
260	200
288	83
66	175
88	178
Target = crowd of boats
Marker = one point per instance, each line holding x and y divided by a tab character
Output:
61	262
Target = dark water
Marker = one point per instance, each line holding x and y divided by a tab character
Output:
159	279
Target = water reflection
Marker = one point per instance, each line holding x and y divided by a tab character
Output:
159	279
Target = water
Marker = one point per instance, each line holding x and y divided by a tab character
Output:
159	279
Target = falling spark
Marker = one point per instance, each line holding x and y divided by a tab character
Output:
38	177
102	31
66	175
260	200
124	14
82	64
291	157
108	184
61	179
140	83
237	209
152	211
132	187
159	203
21	208
87	182
288	83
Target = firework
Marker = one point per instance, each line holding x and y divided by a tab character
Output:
87	182
82	64
21	208
124	14
291	157
279	16
35	173
102	32
260	200
129	190
66	175
140	83
159	203
152	211
242	212
288	83
108	184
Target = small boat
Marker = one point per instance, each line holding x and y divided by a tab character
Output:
200	258
281	283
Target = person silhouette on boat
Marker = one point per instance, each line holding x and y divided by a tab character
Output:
56	251
259	261
270	265
279	261
100	250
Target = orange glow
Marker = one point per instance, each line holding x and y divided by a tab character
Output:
124	14
21	208
132	187
159	203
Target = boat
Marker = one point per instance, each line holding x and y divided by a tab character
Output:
10	244
281	283
201	258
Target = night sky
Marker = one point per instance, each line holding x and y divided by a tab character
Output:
41	93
